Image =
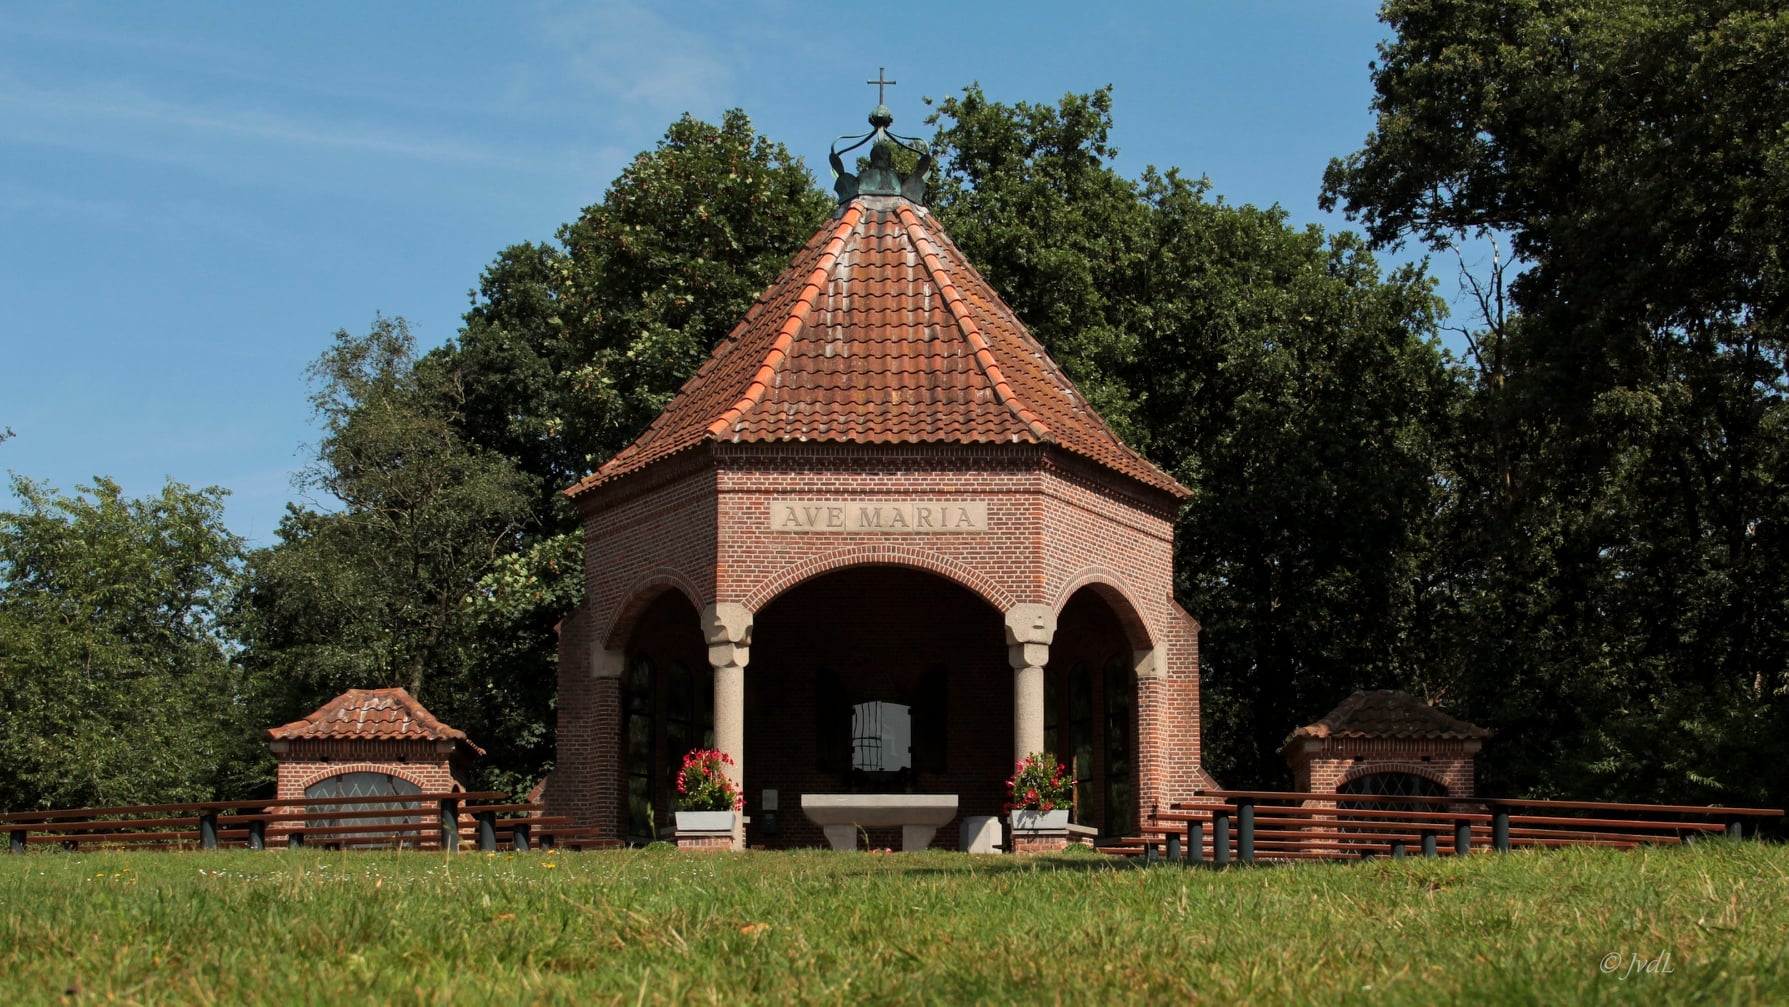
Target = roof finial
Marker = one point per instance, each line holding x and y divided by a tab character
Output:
880	178
881	82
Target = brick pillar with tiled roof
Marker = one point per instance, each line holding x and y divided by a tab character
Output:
880	406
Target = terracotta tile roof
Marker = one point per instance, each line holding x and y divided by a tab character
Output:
880	332
370	715
1387	713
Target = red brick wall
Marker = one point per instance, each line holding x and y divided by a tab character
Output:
1339	761
419	762
699	523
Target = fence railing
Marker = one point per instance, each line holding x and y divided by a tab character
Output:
1249	825
439	821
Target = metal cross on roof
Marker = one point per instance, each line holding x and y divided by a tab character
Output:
880	83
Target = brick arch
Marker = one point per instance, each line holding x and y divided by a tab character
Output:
642	594
1110	585
1422	769
400	770
880	555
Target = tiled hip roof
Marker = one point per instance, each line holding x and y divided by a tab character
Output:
880	332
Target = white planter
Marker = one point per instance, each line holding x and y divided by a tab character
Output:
704	821
1026	820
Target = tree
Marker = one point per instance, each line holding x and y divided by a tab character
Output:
1618	581
381	591
1275	371
116	685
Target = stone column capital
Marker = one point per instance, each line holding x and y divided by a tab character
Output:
1030	624
728	629
606	663
1149	664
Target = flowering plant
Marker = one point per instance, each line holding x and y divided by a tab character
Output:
1039	783
702	783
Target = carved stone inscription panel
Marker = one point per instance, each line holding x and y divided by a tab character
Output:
896	516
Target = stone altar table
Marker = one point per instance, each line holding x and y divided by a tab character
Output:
841	815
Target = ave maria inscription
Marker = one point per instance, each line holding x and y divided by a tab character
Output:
879	515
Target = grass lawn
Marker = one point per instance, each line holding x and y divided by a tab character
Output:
657	926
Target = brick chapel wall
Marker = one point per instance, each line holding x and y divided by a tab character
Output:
658	537
658	530
1102	535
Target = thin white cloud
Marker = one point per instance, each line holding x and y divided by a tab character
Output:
70	114
646	63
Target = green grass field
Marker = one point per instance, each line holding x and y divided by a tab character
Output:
657	926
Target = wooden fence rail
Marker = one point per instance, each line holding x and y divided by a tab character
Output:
1250	825
440	821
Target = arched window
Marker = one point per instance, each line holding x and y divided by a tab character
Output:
1120	742
364	784
667	712
1393	784
1090	724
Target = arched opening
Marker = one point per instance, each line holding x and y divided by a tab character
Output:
363	783
875	679
1388	783
667	709
1090	710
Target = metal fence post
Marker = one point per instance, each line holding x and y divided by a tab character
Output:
487	831
257	835
1736	828
1220	838
1462	838
1195	842
1397	849
1500	830
1245	830
1173	846
294	840
1429	843
518	837
208	831
450	824
18	841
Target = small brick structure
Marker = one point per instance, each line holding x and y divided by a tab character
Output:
877	543
364	734
1385	738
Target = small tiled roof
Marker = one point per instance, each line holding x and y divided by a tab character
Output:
880	332
1387	713
371	715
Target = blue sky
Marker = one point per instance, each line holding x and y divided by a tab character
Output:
194	197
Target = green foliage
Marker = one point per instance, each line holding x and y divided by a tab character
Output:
116	685
380	592
1614	551
659	926
1275	371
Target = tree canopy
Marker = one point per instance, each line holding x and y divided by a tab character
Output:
116	679
1615	565
1574	534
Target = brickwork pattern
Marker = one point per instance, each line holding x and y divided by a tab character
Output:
701	527
1448	763
1027	843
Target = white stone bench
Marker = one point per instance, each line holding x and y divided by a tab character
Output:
841	816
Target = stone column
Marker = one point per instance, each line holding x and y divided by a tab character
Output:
728	627
1029	630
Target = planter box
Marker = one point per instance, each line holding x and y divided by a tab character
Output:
1024	820
705	821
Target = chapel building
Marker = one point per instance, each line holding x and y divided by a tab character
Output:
877	543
